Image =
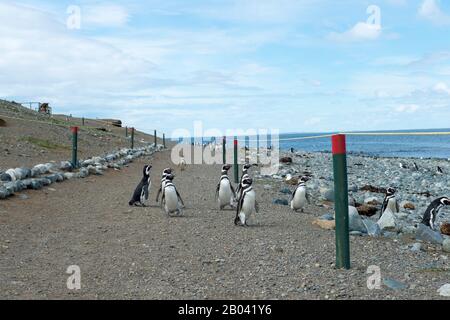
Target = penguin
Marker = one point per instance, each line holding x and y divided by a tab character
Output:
416	167
245	175
439	170
171	199
140	195
403	166
246	204
225	193
390	202
300	197
165	173
429	218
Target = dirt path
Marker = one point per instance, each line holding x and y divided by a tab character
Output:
140	253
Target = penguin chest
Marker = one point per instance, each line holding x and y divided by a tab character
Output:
225	192
171	198
392	205
248	204
299	200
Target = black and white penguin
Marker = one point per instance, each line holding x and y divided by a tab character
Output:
165	173
403	166
390	201
245	175
429	218
225	193
246	204
439	170
171	199
416	167
300	197
140	195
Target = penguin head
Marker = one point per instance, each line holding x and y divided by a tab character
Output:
146	170
247	181
445	201
390	191
170	177
167	171
247	166
303	179
226	167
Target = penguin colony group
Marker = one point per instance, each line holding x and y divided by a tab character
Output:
243	199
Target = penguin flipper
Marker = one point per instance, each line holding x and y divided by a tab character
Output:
293	194
159	192
217	191
233	191
179	197
238	209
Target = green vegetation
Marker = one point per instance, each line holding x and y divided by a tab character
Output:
44	143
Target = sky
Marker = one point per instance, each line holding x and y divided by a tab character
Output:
292	65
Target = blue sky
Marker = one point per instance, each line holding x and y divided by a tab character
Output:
294	65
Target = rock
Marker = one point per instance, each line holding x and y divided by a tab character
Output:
416	247
327	216
4	193
36	184
355	222
65	166
446	245
356	233
373	189
282	202
394	284
5	177
387	221
425	233
353	188
83	173
407	205
325	224
444	290
327	194
373	229
445	228
69	175
367	210
372	201
286	160
293	181
285	191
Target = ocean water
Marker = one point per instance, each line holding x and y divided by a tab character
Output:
407	146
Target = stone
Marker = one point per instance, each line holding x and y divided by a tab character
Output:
367	210
373	229
65	166
425	233
286	160
416	247
372	201
446	245
327	216
394	284
444	290
282	202
356	233
387	221
445	228
355	222
327	193
407	205
325	224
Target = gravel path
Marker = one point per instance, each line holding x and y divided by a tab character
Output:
140	253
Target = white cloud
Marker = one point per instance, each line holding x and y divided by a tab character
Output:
442	87
361	31
104	15
407	108
430	10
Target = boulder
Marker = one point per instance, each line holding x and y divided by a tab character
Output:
416	247
444	290
407	205
325	224
65	166
425	233
5	177
445	228
4	193
327	216
372	201
286	160
446	245
387	221
373	229
281	202
367	210
327	193
355	222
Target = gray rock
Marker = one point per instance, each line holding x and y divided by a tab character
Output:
65	166
387	221
327	194
5	177
282	202
327	216
394	284
69	175
425	233
446	245
4	193
355	222
416	247
373	229
36	184
444	290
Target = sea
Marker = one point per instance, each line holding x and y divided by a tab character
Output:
399	146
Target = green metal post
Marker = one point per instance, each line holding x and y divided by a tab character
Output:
82	121
247	145
155	139
132	138
224	150
164	140
341	201
126	132
257	148
236	165
74	146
